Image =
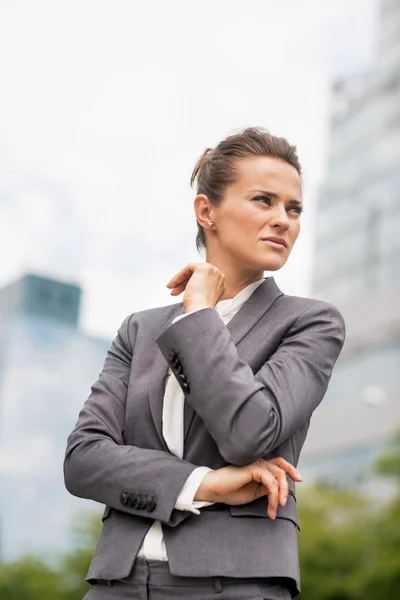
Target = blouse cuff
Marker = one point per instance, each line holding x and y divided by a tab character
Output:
186	314
185	500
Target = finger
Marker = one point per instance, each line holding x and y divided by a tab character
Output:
283	484
178	279
270	484
287	467
179	288
182	275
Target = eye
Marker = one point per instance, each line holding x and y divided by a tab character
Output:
297	209
263	199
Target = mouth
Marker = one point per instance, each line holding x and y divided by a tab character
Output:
275	242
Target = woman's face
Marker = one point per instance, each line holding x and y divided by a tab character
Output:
265	201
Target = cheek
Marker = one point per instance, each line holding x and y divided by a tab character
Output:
250	220
295	231
239	219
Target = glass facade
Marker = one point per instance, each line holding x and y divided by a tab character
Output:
357	267
46	370
358	214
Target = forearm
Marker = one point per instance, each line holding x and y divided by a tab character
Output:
248	414
138	481
221	386
99	466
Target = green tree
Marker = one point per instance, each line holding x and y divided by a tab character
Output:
332	543
74	565
389	464
349	544
29	579
382	579
62	578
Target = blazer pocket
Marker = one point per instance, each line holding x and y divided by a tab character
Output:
258	508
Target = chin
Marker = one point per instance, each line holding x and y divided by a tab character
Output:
273	265
263	262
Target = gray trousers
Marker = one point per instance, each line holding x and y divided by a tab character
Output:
151	580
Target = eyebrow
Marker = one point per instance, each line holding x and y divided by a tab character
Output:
276	196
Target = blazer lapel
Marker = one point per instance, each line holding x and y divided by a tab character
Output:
156	385
245	319
253	309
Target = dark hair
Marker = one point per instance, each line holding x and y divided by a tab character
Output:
215	170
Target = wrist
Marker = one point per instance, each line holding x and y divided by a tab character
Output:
205	490
193	307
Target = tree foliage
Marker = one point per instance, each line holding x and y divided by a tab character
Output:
350	548
30	578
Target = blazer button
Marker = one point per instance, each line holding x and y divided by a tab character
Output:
185	387
182	378
134	501
151	505
142	504
178	369
173	358
125	498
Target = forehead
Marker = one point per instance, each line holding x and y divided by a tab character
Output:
268	174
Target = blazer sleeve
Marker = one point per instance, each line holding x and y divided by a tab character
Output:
249	415
99	466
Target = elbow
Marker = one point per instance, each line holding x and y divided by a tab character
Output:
69	479
240	459
73	478
251	440
240	450
241	455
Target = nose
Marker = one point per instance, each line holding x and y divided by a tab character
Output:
279	218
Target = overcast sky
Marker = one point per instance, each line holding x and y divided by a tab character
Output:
106	105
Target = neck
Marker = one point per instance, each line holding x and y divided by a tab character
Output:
236	279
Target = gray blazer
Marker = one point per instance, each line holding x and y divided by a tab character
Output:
250	388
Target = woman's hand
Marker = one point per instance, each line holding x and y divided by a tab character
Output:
241	485
203	283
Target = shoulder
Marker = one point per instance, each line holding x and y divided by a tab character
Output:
312	311
149	319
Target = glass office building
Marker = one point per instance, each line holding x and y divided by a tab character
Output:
46	369
357	266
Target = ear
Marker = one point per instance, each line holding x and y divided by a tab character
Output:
203	210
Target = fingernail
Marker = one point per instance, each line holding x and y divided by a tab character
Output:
284	501
299	476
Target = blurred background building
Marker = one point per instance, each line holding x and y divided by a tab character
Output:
357	267
46	369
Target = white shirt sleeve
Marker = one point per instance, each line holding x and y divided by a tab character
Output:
185	500
185	315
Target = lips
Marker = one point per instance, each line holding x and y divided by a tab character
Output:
275	240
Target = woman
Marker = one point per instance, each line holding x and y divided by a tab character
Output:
191	434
